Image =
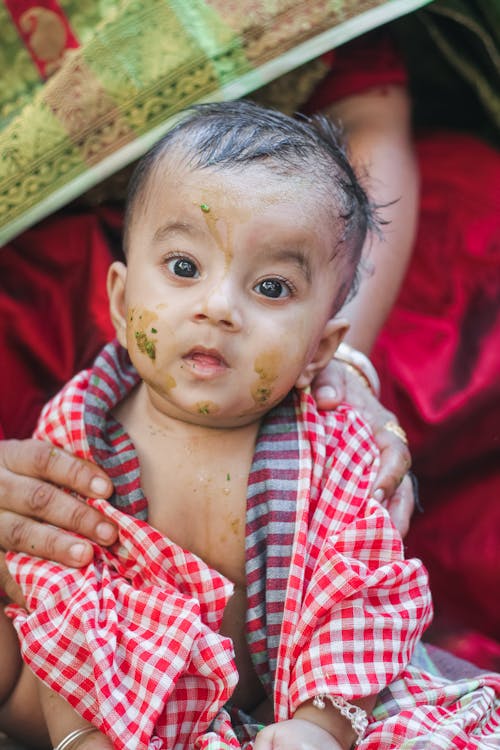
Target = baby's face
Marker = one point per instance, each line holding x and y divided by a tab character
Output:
229	287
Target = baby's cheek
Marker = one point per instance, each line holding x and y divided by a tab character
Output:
149	335
266	367
142	331
274	375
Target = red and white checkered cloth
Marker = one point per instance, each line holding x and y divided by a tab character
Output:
134	631
132	640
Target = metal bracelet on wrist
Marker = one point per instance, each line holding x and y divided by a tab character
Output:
355	714
361	363
72	736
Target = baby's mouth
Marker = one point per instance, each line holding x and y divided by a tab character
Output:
205	360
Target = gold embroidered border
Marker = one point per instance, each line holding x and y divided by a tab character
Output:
148	60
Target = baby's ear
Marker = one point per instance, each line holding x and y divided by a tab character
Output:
117	276
333	333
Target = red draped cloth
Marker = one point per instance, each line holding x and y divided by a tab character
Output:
438	355
53	310
439	361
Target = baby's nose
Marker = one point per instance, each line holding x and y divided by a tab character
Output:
220	307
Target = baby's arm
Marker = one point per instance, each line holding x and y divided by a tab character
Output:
311	727
62	721
21	717
28	709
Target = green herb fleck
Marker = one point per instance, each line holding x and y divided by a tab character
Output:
228	477
153	330
145	345
205	208
263	394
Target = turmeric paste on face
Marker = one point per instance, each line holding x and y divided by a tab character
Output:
145	344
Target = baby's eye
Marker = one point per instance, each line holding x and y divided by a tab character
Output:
273	288
183	267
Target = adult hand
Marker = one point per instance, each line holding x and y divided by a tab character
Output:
393	487
34	511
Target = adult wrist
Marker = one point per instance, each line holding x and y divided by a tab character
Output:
359	364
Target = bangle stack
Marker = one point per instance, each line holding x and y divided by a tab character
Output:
359	364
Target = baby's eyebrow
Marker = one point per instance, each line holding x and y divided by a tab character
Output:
172	228
297	257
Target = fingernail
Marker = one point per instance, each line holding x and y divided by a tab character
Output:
326	392
106	532
379	495
99	486
78	552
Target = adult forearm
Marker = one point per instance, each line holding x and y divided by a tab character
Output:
377	126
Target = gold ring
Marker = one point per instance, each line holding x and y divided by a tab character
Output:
397	430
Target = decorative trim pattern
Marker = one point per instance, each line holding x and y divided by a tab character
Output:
112	97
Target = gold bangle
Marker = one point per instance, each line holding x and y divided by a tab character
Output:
362	378
397	430
361	363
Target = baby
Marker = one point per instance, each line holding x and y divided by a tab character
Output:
255	583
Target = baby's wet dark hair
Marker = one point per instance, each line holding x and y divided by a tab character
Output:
237	134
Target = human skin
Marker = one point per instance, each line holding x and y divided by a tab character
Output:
378	128
201	272
227	301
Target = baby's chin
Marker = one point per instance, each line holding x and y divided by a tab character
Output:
237	412
209	414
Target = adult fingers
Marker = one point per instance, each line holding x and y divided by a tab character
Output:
395	457
22	534
26	498
38	459
401	506
329	387
395	461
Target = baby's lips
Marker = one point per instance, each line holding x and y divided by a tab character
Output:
206	357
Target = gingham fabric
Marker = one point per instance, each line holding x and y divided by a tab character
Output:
132	640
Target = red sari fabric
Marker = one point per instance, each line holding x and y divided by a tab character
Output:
53	311
439	361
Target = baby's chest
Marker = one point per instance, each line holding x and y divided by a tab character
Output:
206	515
204	511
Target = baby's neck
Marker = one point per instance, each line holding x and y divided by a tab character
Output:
195	479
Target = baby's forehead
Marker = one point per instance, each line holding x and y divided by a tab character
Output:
267	180
176	189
